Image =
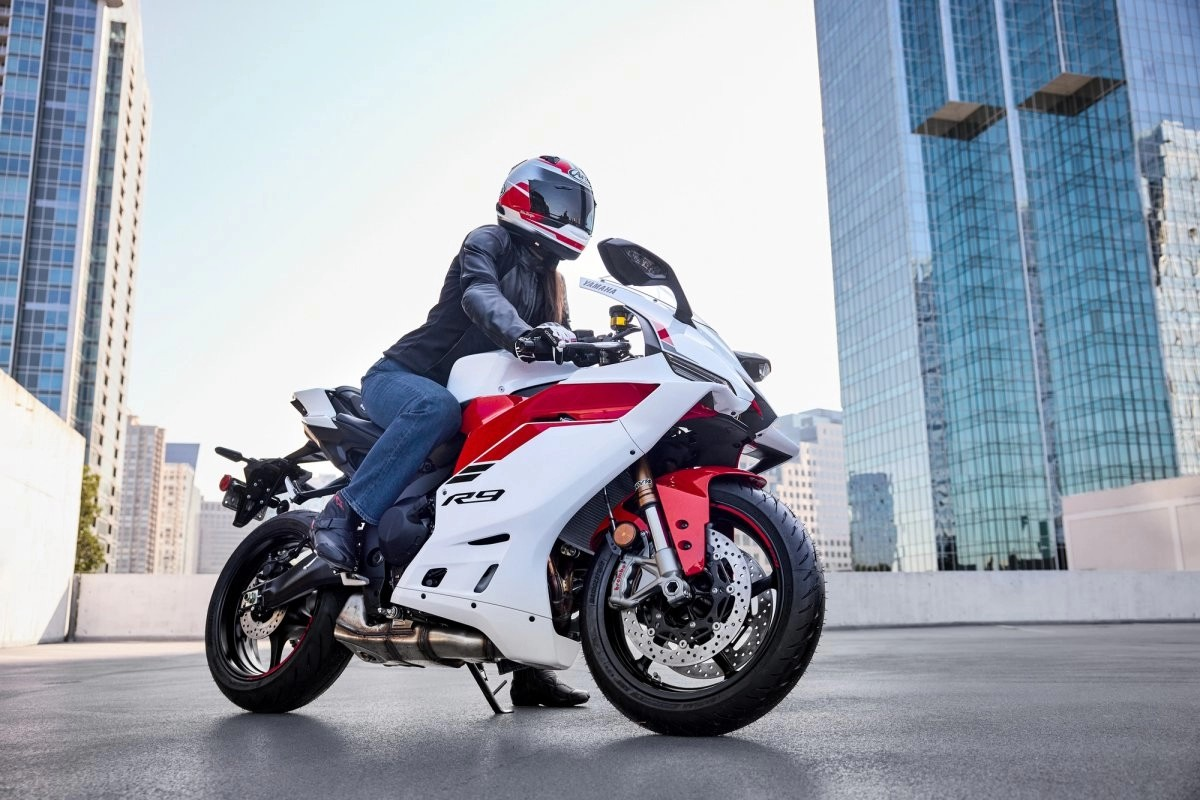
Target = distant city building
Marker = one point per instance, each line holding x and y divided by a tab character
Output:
74	117
218	537
813	484
873	535
179	525
183	453
1013	209
141	498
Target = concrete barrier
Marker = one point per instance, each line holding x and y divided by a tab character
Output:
173	606
882	599
41	461
142	606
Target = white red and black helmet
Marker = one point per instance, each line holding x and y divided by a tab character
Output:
549	199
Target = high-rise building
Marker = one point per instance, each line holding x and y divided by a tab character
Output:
141	498
218	537
1012	200
179	523
74	115
813	484
183	453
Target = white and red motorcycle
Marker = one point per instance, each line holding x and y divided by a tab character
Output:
596	500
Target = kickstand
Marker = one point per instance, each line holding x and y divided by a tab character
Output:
481	680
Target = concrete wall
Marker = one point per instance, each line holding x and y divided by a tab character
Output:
41	465
173	606
142	606
868	599
1153	525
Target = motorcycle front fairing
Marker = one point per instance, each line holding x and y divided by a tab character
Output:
499	516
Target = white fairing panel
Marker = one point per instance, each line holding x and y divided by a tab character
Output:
320	412
772	437
544	482
500	372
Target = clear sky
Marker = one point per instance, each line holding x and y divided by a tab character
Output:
314	168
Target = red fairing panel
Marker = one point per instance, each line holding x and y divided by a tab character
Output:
497	425
683	497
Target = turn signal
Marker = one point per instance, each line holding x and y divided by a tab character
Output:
624	534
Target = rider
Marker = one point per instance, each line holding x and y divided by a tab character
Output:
504	277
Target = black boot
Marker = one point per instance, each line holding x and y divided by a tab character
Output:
333	533
540	687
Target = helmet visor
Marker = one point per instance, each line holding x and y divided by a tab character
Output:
562	202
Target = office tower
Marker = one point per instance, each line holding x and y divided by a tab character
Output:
179	524
1012	199
141	498
74	114
813	484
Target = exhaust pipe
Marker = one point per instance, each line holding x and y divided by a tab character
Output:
408	643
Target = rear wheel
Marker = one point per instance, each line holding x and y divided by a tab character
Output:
734	651
276	661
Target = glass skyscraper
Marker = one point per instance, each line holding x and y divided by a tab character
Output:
1014	199
74	117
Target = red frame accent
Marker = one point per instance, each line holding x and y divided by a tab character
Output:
683	497
494	430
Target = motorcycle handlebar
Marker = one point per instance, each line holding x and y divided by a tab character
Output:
583	354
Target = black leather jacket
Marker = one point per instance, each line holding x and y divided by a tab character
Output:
498	287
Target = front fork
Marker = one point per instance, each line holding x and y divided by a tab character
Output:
664	561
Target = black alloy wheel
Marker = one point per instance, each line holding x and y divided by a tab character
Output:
729	655
277	660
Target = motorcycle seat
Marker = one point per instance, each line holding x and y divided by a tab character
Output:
350	398
366	430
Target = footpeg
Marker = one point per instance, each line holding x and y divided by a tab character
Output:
353	579
488	693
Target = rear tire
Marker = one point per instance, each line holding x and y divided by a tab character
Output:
744	695
288	680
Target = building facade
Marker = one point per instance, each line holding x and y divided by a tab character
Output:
141	498
179	523
813	484
74	117
177	550
218	537
1012	198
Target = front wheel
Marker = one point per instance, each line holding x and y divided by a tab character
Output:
734	650
278	660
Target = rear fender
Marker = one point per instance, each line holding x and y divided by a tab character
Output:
683	497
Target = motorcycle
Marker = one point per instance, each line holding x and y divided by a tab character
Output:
594	500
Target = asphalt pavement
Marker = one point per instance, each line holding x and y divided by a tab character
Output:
1095	711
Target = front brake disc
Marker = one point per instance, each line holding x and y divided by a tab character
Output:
675	653
746	645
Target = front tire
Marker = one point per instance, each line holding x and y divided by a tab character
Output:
750	675
277	662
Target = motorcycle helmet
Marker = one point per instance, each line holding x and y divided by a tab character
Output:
549	200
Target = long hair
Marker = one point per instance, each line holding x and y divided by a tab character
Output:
555	288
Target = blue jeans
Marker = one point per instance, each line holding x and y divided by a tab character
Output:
417	415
